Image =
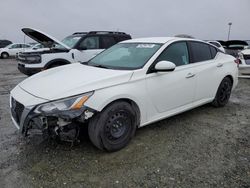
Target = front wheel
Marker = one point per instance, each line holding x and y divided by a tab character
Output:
223	93
113	128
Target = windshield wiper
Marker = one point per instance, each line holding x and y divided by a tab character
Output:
100	66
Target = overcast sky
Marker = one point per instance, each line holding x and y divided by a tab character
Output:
204	19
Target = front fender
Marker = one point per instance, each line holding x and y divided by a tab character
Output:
101	98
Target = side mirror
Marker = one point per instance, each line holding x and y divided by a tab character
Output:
164	66
81	48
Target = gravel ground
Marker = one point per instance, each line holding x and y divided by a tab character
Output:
205	147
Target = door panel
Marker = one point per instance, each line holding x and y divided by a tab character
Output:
207	69
92	45
171	90
208	79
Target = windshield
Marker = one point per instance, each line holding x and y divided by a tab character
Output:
70	41
8	46
125	56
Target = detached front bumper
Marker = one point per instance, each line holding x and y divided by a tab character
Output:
25	119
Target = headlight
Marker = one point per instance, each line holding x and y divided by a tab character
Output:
64	105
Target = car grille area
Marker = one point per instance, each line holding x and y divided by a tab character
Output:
16	110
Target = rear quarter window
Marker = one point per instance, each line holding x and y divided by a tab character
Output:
214	51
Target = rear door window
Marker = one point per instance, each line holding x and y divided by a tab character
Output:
90	43
213	51
200	52
107	41
25	46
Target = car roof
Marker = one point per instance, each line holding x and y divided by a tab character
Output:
160	40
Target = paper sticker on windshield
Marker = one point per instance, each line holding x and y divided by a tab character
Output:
145	46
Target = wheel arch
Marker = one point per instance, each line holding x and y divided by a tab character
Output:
230	77
4	52
57	61
134	105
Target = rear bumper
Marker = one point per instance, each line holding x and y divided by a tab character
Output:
28	71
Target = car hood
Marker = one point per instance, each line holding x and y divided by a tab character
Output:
70	80
246	52
43	38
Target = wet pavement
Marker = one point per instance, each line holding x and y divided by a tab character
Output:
204	147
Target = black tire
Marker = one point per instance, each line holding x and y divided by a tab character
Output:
223	93
4	55
113	128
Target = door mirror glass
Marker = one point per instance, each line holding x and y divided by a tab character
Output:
164	66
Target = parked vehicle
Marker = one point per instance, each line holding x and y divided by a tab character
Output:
233	47
79	47
4	43
130	85
36	48
248	42
244	63
13	49
217	44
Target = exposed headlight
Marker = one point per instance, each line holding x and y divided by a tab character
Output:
64	105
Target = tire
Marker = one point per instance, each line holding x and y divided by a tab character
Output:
223	93
113	128
5	55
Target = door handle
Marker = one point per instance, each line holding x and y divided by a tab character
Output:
219	65
190	75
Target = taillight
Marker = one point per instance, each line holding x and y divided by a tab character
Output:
237	61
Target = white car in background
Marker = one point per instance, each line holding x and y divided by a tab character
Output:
218	45
244	64
130	85
13	49
37	48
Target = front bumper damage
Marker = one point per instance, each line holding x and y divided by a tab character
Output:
63	126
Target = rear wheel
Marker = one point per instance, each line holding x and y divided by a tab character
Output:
113	128
4	55
223	93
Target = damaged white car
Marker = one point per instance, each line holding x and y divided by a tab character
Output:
130	85
244	63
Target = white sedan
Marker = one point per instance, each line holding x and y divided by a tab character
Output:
244	65
13	50
130	85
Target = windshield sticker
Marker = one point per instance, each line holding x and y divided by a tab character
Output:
145	46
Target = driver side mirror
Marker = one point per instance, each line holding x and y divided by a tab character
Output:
164	66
